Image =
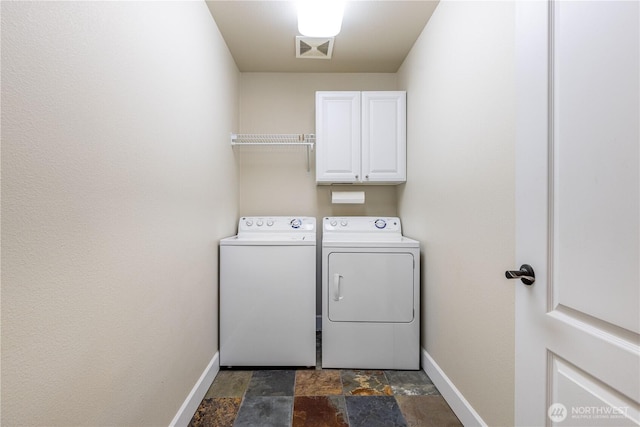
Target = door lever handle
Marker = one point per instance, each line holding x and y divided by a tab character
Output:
526	274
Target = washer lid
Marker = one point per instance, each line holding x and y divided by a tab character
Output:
275	240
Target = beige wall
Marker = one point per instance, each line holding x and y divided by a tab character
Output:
459	195
117	182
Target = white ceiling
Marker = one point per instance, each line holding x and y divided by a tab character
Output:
376	35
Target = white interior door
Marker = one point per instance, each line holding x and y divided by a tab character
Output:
578	192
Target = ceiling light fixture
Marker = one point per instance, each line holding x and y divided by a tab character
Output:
320	18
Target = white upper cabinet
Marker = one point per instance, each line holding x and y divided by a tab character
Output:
361	137
384	137
337	137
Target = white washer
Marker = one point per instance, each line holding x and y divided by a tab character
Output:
370	294
267	293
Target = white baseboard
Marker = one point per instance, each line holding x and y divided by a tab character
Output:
191	403
463	410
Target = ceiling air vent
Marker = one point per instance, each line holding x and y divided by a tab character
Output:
314	47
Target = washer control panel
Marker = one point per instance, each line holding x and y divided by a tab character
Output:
282	224
362	224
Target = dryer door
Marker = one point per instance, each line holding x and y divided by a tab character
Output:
370	287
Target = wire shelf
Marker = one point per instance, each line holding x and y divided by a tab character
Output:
305	139
277	139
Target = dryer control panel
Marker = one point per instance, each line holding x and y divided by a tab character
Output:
362	224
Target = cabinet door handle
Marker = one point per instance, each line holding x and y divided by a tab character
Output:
356	176
367	176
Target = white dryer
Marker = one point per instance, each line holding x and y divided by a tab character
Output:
370	294
268	293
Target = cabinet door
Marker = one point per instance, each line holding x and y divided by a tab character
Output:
337	137
384	136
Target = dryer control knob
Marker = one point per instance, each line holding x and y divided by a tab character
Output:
333	222
296	223
269	223
249	223
259	223
380	223
343	223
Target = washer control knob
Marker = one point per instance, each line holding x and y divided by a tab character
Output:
380	223
333	222
269	223
249	223
296	223
343	223
259	223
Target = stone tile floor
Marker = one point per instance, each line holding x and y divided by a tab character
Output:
322	398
